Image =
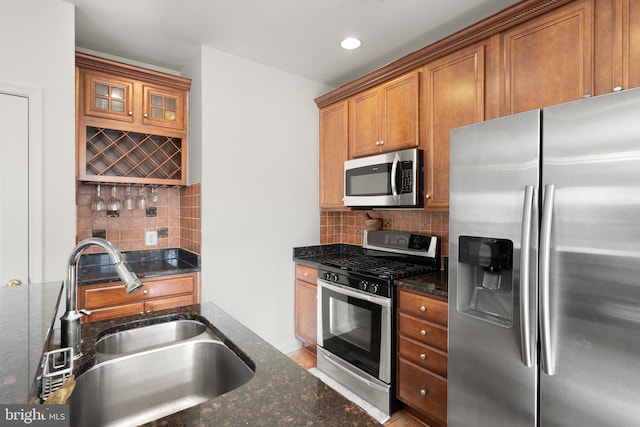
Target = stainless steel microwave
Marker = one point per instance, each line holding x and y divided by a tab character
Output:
389	180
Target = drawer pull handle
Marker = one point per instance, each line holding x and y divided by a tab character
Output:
146	291
423	332
423	356
423	392
423	308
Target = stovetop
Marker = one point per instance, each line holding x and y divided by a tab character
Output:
389	255
377	267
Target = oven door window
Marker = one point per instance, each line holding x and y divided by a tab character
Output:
351	329
369	180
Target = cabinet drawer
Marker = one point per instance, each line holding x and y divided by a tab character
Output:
422	331
114	312
423	307
115	294
424	356
306	273
423	391
172	302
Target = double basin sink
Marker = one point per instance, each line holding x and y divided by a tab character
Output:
145	373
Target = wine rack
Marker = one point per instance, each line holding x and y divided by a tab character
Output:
124	156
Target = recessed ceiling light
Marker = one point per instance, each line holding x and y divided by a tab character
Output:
350	43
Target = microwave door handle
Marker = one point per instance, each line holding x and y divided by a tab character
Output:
394	169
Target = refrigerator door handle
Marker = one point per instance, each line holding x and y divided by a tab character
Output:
543	273
525	246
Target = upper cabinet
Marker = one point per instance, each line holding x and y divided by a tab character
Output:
549	59
453	96
164	107
131	124
534	54
385	118
107	96
334	143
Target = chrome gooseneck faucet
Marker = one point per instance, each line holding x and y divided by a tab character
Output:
70	321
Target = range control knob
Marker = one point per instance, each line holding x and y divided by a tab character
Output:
363	285
373	288
330	277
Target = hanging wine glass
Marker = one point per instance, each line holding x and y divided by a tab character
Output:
141	200
155	196
114	204
128	198
97	203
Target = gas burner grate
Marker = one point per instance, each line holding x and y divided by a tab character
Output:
377	267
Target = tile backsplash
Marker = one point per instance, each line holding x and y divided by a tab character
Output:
348	226
175	216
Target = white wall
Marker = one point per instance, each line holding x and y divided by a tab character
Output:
259	189
37	52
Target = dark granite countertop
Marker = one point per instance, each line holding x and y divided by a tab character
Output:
315	255
98	268
281	393
434	283
27	314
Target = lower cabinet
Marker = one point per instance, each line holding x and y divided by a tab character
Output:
306	307
422	355
111	300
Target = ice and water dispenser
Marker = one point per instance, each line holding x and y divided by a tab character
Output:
485	279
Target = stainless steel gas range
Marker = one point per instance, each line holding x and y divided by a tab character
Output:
356	325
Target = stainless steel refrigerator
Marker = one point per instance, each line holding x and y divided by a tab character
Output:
544	267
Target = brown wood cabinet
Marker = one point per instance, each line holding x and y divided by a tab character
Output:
453	95
422	355
385	118
532	55
549	59
306	305
110	300
334	150
131	124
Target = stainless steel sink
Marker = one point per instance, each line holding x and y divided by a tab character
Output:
145	338
151	384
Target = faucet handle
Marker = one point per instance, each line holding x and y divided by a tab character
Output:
85	311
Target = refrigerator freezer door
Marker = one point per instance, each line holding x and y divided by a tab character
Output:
494	185
591	153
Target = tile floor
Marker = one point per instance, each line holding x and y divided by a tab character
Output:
307	359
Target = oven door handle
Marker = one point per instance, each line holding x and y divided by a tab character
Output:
383	301
354	375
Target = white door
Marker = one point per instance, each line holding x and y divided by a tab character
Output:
14	189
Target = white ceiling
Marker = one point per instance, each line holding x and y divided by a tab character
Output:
297	36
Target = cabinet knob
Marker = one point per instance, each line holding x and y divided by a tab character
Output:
306	274
423	308
146	291
146	115
427	196
617	88
586	95
423	332
148	311
423	356
423	392
131	113
381	142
